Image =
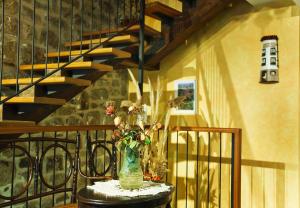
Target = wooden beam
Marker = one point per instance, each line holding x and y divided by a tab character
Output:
204	12
96	52
48	81
35	100
72	66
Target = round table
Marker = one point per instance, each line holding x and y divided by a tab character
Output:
87	198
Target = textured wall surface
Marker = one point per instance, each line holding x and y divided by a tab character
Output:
224	58
88	107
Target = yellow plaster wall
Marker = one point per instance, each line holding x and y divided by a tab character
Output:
225	60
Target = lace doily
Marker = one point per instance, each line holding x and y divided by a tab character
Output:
112	188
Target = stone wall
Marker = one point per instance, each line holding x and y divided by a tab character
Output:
84	16
88	107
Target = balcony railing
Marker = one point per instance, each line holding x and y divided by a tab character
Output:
41	170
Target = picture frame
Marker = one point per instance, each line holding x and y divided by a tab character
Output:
186	88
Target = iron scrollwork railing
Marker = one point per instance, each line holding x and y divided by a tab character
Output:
204	164
36	162
44	163
51	24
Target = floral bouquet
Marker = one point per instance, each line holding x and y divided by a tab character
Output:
133	137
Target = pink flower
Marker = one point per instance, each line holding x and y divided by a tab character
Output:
110	110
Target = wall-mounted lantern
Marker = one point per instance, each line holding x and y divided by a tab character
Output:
269	61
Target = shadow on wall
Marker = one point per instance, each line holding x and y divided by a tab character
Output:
201	173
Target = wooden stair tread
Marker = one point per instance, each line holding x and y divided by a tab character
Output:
114	40
152	27
16	123
49	81
171	8
72	66
35	100
96	52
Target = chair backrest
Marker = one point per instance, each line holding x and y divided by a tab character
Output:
38	171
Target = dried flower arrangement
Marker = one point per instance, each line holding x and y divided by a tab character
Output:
131	131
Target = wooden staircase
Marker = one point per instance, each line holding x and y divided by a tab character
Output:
40	100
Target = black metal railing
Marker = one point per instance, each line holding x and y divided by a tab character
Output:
50	25
203	164
43	164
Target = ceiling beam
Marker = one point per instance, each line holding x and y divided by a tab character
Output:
261	2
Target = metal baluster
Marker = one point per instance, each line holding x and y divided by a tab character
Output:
136	10
108	19
104	164
36	172
54	166
66	159
130	10
71	30
13	171
27	191
208	171
18	45
114	155
33	42
124	12
101	20
41	183
47	36
2	46
197	171
75	167
167	156
89	151
177	148
141	45
86	157
232	171
187	168
117	20
59	32
96	164
81	25
92	23
220	170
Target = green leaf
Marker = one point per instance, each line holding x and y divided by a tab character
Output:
133	144
147	140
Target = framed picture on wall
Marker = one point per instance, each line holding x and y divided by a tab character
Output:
187	90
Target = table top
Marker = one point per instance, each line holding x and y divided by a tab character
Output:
88	198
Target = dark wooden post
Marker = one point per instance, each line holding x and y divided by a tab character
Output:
141	46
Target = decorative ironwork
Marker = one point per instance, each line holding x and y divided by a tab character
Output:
41	165
30	167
